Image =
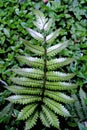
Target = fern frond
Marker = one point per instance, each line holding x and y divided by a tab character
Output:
56	107
24	90
27	111
33	48
29	72
44	119
35	34
59	76
31	122
23	99
56	63
52	118
51	37
38	87
58	96
60	86
27	82
53	50
31	61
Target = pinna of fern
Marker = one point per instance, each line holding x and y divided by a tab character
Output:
41	87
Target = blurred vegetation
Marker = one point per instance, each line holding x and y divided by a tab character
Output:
70	15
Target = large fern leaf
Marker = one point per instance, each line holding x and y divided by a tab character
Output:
41	87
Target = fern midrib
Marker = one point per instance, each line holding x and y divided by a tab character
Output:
45	66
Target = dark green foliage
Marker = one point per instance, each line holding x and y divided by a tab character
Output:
70	15
12	20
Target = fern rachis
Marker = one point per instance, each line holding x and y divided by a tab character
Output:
40	87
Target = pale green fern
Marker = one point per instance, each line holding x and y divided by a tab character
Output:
40	87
